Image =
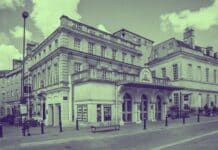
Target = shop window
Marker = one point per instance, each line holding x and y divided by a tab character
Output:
176	99
103	111
98	112
107	112
82	113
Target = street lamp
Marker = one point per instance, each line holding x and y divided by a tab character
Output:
25	15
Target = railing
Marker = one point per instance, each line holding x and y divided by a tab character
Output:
106	75
161	81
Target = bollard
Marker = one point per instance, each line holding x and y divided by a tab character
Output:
42	127
1	130
198	119
183	119
166	121
77	124
60	126
145	126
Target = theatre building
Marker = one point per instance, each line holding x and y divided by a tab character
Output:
80	72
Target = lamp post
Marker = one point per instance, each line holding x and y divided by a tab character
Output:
25	15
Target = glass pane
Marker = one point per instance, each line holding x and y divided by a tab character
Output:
129	106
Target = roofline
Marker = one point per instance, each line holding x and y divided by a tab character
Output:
123	29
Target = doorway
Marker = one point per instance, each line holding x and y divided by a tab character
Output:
127	108
158	108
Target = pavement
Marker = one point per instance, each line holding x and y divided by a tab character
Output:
13	136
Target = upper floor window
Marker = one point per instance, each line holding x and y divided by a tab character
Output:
175	72
189	71
56	43
163	72
214	75
91	47
207	74
132	59
49	47
103	48
199	73
56	73
153	74
123	57
77	67
77	43
114	51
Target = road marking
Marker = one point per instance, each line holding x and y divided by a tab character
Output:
185	140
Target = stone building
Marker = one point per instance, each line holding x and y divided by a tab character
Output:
80	72
188	65
10	90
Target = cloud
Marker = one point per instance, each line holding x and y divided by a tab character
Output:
202	19
46	14
4	38
17	32
102	27
11	4
8	53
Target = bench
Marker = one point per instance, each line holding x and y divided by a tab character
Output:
105	126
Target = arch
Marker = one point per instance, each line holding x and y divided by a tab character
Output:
127	107
143	107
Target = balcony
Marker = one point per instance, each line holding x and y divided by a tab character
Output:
161	81
106	75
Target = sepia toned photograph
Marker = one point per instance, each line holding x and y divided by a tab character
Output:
108	74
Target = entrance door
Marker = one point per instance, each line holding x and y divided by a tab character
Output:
144	107
127	108
158	108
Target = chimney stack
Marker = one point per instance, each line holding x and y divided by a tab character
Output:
188	37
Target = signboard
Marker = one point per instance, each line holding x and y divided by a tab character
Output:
23	109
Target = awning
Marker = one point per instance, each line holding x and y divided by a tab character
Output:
150	85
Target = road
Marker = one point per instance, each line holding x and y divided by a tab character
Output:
199	137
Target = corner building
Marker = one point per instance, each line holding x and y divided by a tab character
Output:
81	72
190	66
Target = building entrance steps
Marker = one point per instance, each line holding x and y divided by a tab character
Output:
14	134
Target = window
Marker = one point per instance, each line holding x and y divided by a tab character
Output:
99	113
77	67
49	47
82	112
123	57
176	99
207	74
56	72
91	47
107	112
104	74
215	100
114	51
103	48
153	74
199	73
214	76
175	72
132	59
104	115
163	72
77	43
56	43
49	76
189	71
208	99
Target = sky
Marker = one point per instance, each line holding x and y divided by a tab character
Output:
157	20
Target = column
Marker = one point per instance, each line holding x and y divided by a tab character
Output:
120	112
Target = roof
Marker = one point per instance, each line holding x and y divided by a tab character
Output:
183	44
132	33
151	85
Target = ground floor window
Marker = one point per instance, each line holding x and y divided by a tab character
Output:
103	112
82	112
176	99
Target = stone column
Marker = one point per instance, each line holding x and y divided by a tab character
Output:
120	112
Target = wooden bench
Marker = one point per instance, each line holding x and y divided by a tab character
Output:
105	126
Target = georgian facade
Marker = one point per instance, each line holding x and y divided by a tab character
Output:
79	72
190	66
10	90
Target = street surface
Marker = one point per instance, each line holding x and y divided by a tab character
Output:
199	137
